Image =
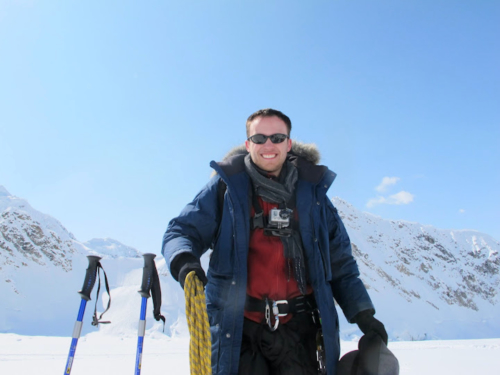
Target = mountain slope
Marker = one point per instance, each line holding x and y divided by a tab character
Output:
427	282
29	236
42	266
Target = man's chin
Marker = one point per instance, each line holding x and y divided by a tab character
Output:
271	169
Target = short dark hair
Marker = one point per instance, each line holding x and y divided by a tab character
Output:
269	112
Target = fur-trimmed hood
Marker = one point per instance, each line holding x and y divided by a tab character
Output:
307	151
305	156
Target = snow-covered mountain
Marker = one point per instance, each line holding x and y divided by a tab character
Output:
425	282
42	266
111	248
39	238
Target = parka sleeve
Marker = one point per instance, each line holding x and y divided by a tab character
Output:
193	231
348	289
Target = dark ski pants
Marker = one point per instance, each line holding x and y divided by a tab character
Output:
290	350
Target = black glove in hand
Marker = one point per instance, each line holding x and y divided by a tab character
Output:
192	266
367	323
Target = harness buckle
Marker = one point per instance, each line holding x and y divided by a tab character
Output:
276	310
267	313
276	313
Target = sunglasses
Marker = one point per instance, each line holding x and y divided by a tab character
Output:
260	139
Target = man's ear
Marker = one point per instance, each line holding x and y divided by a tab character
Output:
247	146
289	145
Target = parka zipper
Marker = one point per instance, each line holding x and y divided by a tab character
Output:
315	234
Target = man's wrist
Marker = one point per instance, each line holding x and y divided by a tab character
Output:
189	267
368	323
179	261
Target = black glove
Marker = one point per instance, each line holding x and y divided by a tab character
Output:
184	263
367	323
192	266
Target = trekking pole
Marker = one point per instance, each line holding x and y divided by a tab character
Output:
150	282
88	284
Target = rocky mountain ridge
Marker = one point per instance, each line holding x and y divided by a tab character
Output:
38	256
440	274
426	283
30	236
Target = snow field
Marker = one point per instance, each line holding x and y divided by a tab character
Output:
98	354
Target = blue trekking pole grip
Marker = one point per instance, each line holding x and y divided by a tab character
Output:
88	284
148	274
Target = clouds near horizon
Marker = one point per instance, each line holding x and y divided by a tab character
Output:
386	183
403	197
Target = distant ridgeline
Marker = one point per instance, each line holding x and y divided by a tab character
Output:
425	282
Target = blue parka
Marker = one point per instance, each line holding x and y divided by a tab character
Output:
332	271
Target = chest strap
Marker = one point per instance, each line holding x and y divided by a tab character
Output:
260	221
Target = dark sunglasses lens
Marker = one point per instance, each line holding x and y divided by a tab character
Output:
278	138
259	139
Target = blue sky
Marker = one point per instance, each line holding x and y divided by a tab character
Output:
110	112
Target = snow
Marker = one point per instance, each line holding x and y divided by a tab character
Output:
410	271
99	353
113	248
426	283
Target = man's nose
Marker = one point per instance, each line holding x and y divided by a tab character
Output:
267	140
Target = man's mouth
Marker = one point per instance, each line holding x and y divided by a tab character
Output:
269	156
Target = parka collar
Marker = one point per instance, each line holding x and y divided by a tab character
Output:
303	155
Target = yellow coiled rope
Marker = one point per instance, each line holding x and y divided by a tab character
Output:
200	344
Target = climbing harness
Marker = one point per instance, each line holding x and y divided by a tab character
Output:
200	345
276	309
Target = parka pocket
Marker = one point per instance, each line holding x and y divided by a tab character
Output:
216	291
215	322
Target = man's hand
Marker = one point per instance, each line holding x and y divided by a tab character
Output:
185	263
367	323
192	266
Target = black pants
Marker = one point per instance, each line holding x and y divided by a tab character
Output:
290	350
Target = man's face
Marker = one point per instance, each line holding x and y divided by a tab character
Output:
268	156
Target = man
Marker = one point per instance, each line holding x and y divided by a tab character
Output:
281	255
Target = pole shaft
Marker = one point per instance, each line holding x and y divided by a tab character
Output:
140	334
76	335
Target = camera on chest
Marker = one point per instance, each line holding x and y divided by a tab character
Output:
280	217
278	222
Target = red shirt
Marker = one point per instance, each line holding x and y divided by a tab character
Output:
270	274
